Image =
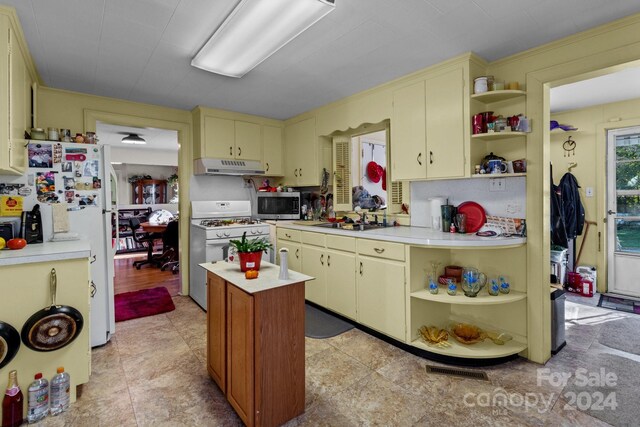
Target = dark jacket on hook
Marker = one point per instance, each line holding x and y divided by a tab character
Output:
558	232
572	209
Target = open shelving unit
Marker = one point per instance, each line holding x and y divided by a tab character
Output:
497	135
501	175
483	298
497	95
482	350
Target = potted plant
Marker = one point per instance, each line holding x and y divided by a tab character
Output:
250	251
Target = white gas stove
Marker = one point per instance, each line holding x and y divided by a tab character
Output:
213	225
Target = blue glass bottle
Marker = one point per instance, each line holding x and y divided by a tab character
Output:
452	288
504	286
494	289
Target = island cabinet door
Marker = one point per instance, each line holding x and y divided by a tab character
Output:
217	329
240	353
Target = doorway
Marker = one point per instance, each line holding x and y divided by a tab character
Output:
623	210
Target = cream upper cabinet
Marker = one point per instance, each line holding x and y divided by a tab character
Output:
272	150
219	138
408	129
445	133
381	295
232	139
15	103
248	141
301	153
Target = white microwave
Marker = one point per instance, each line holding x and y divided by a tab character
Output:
283	205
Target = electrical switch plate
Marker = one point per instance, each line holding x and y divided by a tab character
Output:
497	184
589	191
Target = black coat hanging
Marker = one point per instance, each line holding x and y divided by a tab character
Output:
558	231
572	209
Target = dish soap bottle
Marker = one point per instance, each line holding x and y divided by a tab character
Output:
12	403
60	397
38	399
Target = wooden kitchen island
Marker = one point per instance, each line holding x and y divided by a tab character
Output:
255	341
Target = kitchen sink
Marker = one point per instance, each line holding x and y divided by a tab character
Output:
347	227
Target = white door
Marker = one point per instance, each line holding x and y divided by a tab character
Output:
623	206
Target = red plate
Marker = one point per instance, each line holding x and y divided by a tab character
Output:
476	217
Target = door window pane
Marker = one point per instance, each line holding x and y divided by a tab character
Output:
627	235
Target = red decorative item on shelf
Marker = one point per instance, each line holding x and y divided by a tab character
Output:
250	260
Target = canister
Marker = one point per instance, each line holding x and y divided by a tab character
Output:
53	134
481	85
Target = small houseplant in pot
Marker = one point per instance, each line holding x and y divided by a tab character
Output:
250	251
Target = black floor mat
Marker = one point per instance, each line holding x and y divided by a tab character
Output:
319	324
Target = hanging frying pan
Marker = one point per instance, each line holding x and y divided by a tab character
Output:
52	327
9	343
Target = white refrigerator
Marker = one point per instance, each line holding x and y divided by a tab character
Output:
82	176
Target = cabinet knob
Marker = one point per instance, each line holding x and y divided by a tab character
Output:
322	259
378	250
231	151
300	171
287	235
295	172
419	159
297	253
361	268
239	151
328	260
430	157
267	167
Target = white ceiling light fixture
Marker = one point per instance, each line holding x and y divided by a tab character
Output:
132	138
254	31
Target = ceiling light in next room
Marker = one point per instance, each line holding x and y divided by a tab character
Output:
255	30
133	138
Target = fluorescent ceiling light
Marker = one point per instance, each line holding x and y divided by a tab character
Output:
133	138
255	30
116	163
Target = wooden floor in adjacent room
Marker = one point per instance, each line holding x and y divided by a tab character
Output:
128	278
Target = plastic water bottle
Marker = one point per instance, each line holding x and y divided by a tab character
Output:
60	395
38	399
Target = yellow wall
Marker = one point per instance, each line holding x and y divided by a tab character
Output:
79	112
589	122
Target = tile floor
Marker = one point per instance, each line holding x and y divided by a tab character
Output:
153	373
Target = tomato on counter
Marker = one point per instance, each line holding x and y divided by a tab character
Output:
16	243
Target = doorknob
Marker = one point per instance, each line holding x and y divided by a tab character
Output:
610	212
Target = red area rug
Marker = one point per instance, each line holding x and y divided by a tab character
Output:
147	302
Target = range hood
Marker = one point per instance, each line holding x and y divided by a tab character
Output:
227	167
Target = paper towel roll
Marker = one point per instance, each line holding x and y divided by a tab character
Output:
434	210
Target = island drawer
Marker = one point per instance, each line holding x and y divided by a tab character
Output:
341	243
316	239
380	249
286	234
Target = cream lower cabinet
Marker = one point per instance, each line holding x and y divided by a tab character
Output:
381	295
341	283
295	254
314	260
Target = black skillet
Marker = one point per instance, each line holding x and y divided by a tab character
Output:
52	327
9	343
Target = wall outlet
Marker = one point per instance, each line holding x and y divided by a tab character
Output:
589	191
513	208
497	184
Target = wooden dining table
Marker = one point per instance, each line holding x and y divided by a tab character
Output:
153	228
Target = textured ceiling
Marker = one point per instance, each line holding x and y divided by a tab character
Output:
141	50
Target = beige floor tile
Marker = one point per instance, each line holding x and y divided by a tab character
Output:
313	346
332	371
365	348
377	401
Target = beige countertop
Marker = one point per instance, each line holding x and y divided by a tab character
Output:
47	251
418	236
267	279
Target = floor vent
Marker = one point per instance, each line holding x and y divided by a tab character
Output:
476	375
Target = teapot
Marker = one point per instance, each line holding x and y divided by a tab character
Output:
472	281
490	156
